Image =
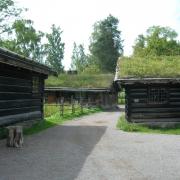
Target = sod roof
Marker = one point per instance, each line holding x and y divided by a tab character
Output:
81	81
149	67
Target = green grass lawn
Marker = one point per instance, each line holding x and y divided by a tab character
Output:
53	118
132	127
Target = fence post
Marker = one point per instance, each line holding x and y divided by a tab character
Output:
81	104
72	102
62	106
89	102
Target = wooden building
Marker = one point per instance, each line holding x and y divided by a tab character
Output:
21	88
95	90
151	100
103	97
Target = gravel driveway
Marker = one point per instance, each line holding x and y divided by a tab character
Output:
92	148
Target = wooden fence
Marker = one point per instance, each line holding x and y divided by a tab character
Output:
74	105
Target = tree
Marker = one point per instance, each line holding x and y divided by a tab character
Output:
106	44
25	40
157	41
139	46
79	58
55	49
8	12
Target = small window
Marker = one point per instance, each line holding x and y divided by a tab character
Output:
157	96
35	85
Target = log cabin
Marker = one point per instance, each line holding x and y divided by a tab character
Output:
21	88
152	89
95	90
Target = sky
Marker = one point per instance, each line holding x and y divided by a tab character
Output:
76	18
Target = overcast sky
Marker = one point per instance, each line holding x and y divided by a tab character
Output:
76	18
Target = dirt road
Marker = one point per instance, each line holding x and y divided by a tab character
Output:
92	148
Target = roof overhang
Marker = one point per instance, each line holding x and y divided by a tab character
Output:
69	89
16	60
132	81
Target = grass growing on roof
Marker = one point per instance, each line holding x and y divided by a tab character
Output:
133	127
80	80
143	67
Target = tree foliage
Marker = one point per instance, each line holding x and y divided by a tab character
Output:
106	44
8	11
22	38
157	41
25	40
79	58
55	49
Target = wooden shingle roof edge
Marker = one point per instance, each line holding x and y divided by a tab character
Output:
14	59
69	89
131	81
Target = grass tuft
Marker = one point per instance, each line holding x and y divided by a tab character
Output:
132	127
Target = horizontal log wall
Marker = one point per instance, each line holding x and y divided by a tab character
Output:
103	99
139	110
17	102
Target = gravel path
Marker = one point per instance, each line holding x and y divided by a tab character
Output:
92	148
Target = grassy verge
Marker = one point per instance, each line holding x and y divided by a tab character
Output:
56	119
131	127
52	118
121	97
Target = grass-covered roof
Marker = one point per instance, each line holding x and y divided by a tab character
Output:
81	81
149	67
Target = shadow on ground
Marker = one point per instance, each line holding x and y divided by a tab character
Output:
57	153
115	109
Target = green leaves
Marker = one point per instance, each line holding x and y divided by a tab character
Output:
79	58
55	49
157	41
8	12
25	40
106	44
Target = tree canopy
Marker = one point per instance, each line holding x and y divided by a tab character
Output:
106	44
157	41
25	40
79	58
9	11
55	49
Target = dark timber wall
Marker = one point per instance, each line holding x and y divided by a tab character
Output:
104	99
164	108
20	99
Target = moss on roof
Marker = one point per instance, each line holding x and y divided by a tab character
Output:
81	81
149	67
